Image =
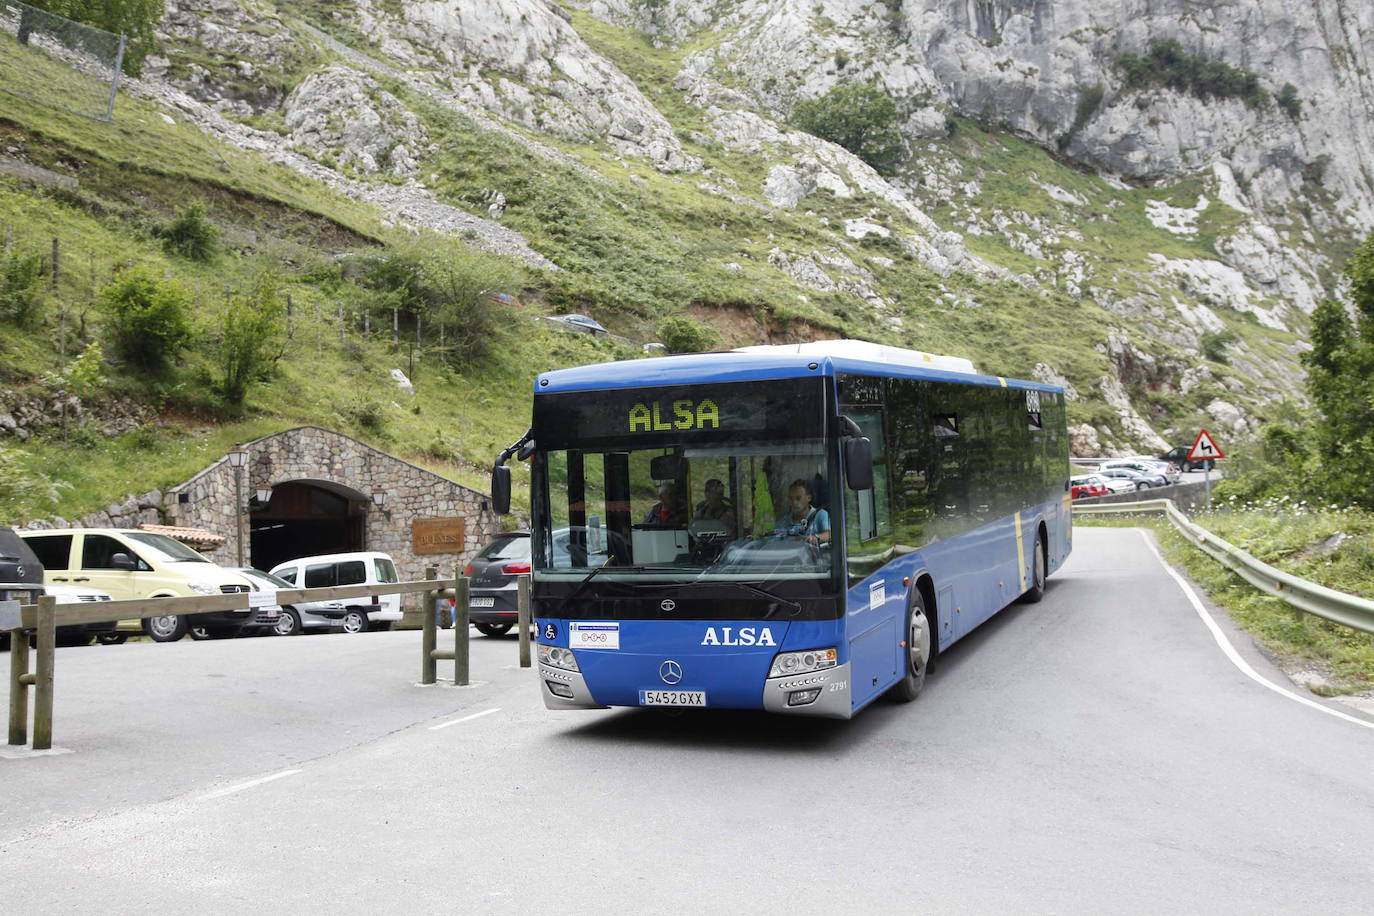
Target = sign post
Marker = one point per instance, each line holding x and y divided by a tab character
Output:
1206	451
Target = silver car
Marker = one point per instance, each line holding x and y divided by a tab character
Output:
294	619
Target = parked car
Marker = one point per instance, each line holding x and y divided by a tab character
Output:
1178	457
495	576
580	323
21	574
297	617
1143	465
1087	485
1116	484
81	634
377	612
496	571
132	564
1135	480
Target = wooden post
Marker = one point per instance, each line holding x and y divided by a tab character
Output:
19	687
341	323
56	268
367	323
395	326
43	673
290	330
522	618
427	638
460	633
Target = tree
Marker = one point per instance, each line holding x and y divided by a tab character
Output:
250	332
858	116
149	318
1339	368
135	19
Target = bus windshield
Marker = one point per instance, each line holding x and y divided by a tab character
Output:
685	482
746	511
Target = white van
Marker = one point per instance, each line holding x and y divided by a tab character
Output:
377	612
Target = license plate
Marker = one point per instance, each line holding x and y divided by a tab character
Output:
672	698
481	602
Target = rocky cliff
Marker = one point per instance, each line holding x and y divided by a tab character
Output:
1058	177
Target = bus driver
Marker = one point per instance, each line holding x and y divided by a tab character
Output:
804	520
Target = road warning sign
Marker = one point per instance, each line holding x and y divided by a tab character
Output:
1204	448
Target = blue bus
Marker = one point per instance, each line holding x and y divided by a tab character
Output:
799	529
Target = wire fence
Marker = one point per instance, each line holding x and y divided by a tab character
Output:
58	62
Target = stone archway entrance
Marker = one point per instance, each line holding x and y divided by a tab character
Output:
305	518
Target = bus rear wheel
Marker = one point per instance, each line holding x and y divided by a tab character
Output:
1038	572
918	650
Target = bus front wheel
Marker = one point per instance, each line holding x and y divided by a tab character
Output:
918	649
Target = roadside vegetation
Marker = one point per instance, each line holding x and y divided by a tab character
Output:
1300	497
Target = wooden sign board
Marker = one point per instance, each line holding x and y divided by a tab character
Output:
436	535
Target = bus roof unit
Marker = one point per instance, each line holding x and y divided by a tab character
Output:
868	352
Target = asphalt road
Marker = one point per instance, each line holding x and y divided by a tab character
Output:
1095	752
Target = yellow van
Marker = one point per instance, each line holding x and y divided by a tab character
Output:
131	564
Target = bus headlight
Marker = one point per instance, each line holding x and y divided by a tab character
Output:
788	663
557	657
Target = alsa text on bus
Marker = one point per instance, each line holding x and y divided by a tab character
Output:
648	418
747	636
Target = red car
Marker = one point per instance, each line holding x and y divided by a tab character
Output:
1091	485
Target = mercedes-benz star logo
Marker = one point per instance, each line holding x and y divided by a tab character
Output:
671	672
667	604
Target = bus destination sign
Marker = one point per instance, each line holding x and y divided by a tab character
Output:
765	409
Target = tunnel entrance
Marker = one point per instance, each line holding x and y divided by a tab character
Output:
305	518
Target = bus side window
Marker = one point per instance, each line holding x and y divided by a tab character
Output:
872	508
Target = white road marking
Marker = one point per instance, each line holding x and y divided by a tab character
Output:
1230	650
476	715
220	793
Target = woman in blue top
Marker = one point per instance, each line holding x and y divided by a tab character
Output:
804	520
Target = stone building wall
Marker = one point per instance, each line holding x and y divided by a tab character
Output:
313	455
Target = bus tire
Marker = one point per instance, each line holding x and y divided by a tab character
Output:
919	642
1038	573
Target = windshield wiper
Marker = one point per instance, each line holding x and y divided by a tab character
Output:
761	592
593	574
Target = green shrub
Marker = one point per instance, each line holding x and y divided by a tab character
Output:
1168	64
249	338
1216	343
858	116
1287	99
148	319
683	335
22	489
136	19
21	289
191	235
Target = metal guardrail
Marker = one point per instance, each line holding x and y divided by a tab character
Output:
1328	603
46	616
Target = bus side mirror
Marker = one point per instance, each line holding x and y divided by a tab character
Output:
858	463
500	489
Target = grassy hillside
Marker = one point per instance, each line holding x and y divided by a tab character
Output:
636	246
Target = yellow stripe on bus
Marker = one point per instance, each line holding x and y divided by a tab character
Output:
1020	552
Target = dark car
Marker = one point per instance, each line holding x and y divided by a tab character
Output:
495	573
1178	457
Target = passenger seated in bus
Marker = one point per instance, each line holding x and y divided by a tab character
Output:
715	507
668	510
803	520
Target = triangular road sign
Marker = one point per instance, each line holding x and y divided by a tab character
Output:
1204	448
